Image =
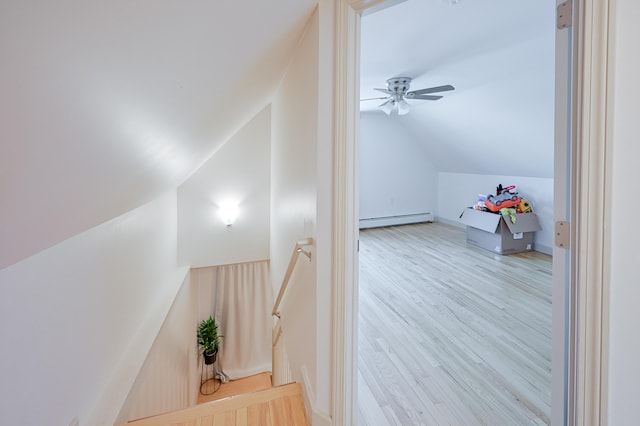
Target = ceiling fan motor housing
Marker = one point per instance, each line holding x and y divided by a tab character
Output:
398	85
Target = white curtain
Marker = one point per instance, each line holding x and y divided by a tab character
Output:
242	302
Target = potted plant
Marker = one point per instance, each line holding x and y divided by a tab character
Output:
208	340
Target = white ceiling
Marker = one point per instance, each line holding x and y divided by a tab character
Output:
105	105
498	54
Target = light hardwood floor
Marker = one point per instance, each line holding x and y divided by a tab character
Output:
451	334
278	406
253	383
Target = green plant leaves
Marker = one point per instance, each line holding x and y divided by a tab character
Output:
208	338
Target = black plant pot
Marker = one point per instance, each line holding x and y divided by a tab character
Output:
210	358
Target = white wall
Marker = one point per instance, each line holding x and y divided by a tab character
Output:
324	213
169	378
238	172
78	319
458	190
293	202
499	56
397	175
624	350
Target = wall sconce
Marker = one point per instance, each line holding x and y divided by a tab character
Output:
228	213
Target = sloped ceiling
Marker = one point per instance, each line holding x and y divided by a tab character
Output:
498	54
105	105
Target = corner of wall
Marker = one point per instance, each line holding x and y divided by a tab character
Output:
449	222
316	418
542	248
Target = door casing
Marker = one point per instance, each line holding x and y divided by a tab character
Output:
583	399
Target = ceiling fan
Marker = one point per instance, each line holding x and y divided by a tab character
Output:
398	92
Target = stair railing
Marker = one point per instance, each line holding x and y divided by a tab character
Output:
297	250
281	369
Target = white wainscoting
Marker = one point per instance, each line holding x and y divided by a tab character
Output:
169	378
281	373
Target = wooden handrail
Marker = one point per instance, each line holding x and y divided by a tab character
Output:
292	263
275	334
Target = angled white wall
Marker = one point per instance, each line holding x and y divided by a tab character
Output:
239	172
78	319
499	56
106	107
397	175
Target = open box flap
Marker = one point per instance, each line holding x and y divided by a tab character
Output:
525	222
486	221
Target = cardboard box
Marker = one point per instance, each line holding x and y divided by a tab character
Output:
492	232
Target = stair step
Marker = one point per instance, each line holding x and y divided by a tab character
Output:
278	406
253	383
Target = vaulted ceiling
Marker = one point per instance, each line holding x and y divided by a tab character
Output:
105	105
500	57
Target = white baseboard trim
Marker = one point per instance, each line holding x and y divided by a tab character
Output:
455	223
405	219
316	418
541	248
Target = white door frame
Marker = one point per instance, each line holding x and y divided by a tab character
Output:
592	139
587	402
563	282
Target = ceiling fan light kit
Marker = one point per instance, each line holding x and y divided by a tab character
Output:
398	91
403	107
388	106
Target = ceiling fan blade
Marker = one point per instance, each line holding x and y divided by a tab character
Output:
425	97
388	92
372	99
431	90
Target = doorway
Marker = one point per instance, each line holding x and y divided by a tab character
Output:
493	123
346	338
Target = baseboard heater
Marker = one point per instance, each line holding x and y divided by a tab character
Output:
405	219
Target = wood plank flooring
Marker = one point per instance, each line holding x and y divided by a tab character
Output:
237	387
450	334
278	406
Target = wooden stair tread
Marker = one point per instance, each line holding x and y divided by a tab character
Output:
278	406
236	387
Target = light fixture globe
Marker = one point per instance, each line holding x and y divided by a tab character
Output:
403	107
388	106
228	213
